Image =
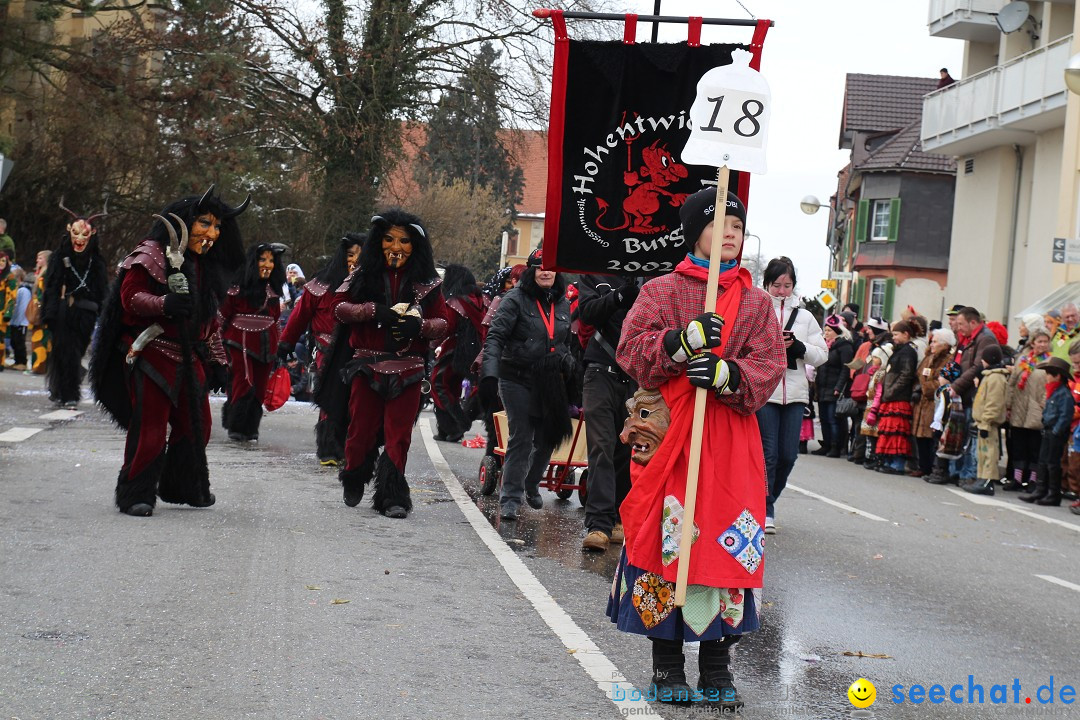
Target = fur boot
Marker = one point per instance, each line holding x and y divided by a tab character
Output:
353	481
245	417
391	490
226	413
330	441
136	495
185	479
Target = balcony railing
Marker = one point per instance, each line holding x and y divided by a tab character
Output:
965	19
999	106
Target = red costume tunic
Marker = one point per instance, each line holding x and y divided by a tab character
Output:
445	381
385	380
314	309
250	335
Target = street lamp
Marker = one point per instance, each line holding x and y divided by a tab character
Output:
810	204
1072	74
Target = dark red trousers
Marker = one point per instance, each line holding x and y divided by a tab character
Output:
154	413
240	382
369	413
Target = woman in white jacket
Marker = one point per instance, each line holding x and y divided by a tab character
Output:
781	418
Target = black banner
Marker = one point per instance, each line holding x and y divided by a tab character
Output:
619	119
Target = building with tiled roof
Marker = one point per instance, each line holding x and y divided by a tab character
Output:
892	213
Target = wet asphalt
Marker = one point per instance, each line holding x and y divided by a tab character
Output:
281	602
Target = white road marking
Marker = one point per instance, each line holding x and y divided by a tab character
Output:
61	415
1059	581
834	503
984	500
584	650
18	434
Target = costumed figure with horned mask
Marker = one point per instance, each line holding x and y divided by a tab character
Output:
314	313
391	311
75	285
159	354
249	330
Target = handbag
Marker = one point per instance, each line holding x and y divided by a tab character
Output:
847	407
278	389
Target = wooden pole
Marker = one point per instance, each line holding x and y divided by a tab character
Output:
701	395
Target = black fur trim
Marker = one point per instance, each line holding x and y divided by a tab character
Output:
550	401
139	489
391	487
185	478
226	412
330	439
361	476
245	415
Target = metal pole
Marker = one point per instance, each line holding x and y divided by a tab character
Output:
655	25
544	13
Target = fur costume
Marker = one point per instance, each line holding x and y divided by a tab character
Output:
75	288
466	307
314	311
371	380
166	384
249	330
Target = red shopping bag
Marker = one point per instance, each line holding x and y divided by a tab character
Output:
278	389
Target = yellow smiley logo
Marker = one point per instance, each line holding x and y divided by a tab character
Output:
862	693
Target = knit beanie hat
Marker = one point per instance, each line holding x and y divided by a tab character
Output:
700	209
993	355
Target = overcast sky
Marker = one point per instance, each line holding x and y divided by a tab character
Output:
814	44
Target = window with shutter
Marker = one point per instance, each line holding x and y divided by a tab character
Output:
894	219
861	220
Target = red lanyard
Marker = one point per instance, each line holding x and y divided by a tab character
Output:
549	324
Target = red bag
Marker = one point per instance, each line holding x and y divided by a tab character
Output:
859	385
278	389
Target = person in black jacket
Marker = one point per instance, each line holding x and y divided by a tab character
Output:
603	302
832	382
527	363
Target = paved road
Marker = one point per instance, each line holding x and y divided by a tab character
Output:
280	602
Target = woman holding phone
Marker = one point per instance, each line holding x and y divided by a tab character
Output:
780	419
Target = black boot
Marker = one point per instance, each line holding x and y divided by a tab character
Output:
1042	481
979	487
353	481
716	681
940	475
1016	480
669	672
329	442
1053	488
802	447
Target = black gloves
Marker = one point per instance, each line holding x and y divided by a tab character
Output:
626	295
407	328
489	393
217	377
178	305
796	350
701	333
284	350
384	315
706	370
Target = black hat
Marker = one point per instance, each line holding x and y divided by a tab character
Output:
1056	365
700	209
536	258
955	309
992	355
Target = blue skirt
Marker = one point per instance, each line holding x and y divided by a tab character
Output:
644	603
